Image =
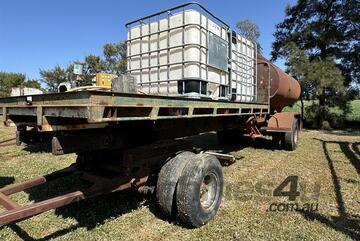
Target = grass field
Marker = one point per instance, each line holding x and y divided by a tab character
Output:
326	163
354	115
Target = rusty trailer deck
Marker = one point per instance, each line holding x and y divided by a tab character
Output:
97	109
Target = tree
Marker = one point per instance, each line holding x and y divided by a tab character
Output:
251	31
53	77
93	64
319	79
13	80
115	57
10	80
33	83
114	61
324	29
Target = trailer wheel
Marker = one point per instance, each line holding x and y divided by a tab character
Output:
291	138
167	181
278	140
199	191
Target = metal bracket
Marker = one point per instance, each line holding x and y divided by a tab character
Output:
39	115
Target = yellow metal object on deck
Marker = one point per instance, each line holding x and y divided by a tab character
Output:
104	79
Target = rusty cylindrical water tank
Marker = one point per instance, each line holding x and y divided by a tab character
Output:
284	89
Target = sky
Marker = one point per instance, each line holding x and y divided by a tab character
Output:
40	34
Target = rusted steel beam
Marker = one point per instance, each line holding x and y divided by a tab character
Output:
7	202
134	183
8	142
40	207
221	156
39	115
18	187
86	109
100	185
5	116
81	143
132	134
69	127
50	99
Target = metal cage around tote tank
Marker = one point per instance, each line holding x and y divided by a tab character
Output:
190	52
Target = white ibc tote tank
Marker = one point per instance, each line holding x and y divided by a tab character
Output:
185	52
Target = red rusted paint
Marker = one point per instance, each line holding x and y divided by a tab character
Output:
284	89
282	121
101	102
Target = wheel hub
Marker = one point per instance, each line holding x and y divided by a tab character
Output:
208	190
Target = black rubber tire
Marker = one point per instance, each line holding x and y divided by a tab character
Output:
191	209
167	181
278	140
291	138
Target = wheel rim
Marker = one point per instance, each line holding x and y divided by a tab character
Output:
208	190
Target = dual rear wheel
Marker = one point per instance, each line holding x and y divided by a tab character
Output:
190	187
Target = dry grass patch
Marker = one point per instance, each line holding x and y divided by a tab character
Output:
326	160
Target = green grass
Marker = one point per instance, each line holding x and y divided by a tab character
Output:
353	116
328	158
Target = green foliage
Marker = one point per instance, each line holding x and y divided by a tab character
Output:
32	83
317	76
324	29
354	115
319	79
335	115
250	30
13	80
113	61
318	116
8	81
93	64
115	57
53	77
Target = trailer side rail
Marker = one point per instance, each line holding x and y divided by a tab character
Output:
98	109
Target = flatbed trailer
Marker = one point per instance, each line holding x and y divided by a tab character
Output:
131	141
80	118
97	109
130	136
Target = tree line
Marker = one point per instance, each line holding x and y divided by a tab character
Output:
113	61
10	80
320	41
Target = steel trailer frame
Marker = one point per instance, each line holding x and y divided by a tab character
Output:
92	112
97	109
119	180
